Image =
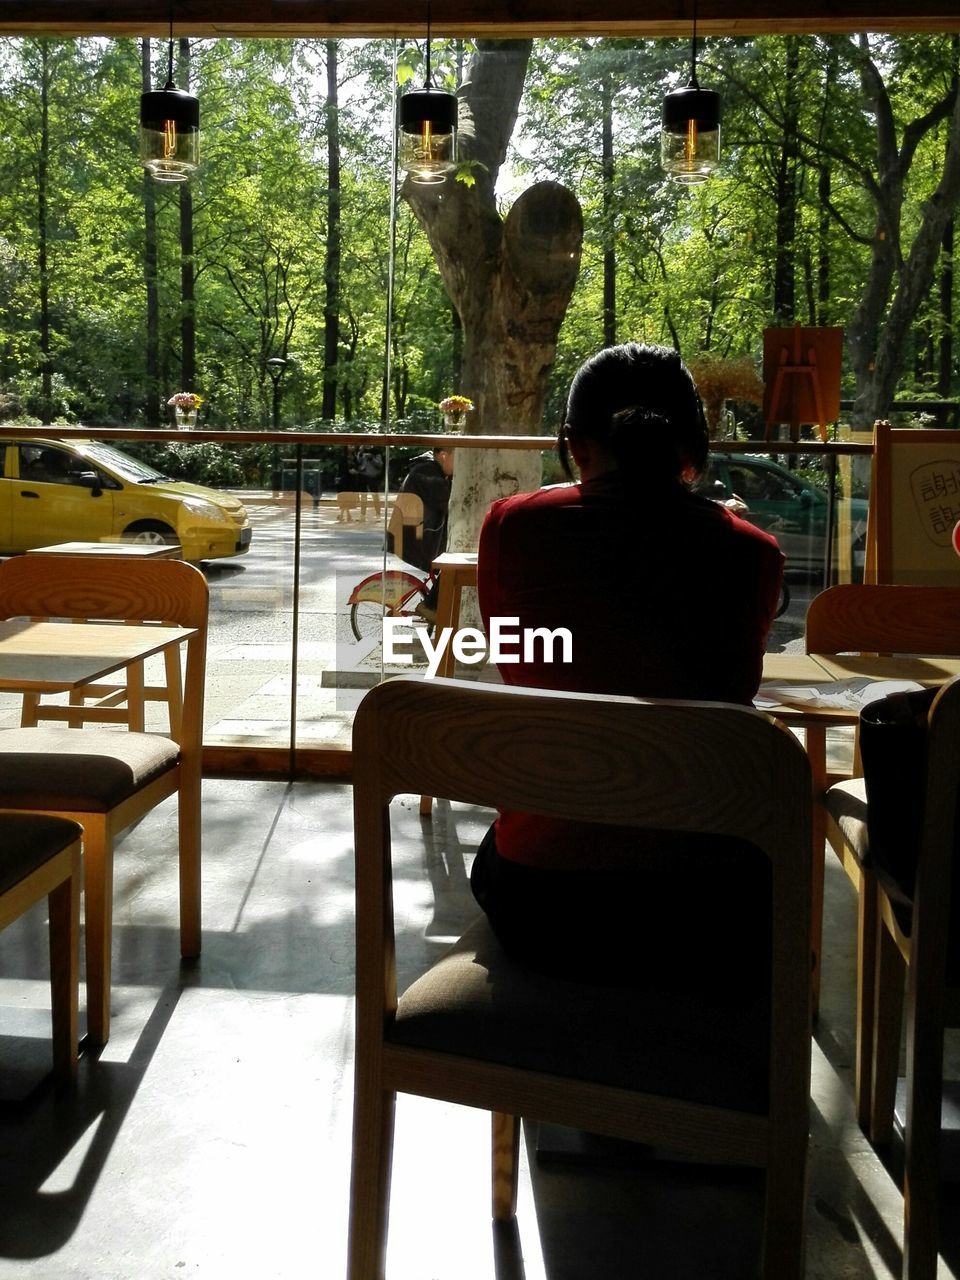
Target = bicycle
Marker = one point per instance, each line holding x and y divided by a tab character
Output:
393	593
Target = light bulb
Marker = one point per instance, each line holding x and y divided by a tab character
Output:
690	134
169	134
428	135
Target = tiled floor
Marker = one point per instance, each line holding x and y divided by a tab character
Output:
212	1137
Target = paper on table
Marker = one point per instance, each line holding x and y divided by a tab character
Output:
845	695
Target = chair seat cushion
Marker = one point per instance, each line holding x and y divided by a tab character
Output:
28	840
700	1046
78	770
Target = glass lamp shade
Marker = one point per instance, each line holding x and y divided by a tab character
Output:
169	134
428	134
690	134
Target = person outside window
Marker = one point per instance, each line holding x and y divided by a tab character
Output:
370	471
430	477
667	595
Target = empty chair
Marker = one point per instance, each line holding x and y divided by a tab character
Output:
718	1074
40	858
917	926
406	513
882	619
105	779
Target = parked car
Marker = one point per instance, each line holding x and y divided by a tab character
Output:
786	505
80	490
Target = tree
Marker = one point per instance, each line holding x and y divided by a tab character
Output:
188	304
900	273
884	104
151	408
332	278
510	279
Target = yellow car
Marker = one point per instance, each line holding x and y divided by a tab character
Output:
79	490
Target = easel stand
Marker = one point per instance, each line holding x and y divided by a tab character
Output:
800	372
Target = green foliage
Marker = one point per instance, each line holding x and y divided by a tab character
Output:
696	269
203	463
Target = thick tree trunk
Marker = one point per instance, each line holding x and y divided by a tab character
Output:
609	234
945	350
823	248
784	277
510	280
331	275
151	402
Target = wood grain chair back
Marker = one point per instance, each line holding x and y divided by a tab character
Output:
682	767
114	590
872	618
101	778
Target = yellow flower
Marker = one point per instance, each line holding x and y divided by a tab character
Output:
456	404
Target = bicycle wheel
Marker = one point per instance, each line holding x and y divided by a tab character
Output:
784	604
366	616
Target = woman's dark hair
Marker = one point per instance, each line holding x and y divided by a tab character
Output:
642	405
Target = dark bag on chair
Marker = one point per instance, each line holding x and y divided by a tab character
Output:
893	748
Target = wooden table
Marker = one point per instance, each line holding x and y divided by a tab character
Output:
122	550
457	570
64	657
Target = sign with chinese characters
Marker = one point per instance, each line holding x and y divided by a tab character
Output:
936	492
914	506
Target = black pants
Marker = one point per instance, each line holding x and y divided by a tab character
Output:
700	916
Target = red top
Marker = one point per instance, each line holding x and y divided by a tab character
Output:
670	598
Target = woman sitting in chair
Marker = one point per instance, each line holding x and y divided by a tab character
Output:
666	595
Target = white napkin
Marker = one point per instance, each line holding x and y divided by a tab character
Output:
845	695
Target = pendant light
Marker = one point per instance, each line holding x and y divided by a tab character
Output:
427	129
690	133
169	128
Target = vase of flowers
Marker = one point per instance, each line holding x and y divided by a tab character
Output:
185	405
455	410
720	380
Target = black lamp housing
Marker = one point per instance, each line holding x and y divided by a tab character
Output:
690	128
427	120
169	128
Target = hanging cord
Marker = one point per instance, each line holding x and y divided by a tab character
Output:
693	51
170	84
428	83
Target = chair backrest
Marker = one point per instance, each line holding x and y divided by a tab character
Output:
117	590
871	618
680	766
407	512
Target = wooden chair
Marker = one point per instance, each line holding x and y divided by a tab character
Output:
883	619
480	1030
924	937
406	513
40	857
105	779
116	702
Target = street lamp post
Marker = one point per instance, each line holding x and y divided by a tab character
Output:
276	367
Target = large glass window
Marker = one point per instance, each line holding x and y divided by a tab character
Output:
301	286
